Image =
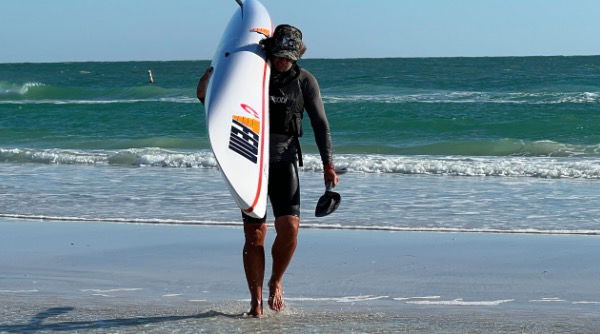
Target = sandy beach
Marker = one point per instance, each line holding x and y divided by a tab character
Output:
126	278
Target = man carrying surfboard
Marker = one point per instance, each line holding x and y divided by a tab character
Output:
292	91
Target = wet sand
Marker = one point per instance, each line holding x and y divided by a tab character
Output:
86	276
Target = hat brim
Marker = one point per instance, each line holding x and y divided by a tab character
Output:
286	54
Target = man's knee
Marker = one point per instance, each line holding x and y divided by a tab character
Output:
255	234
287	226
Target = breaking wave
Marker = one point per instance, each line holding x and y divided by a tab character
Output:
304	225
507	166
471	97
40	93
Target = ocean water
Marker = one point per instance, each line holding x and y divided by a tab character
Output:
435	144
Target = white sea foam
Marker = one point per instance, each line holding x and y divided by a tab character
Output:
454	97
119	220
508	166
450	229
540	167
53	156
416	298
587	302
20	89
27	86
460	302
585	97
154	157
183	100
307	225
469	97
110	290
355	299
548	300
172	295
343	299
18	291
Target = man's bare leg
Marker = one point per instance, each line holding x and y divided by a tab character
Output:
282	252
254	264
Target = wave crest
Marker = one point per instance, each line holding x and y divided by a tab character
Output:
8	88
40	93
470	97
135	157
323	226
538	167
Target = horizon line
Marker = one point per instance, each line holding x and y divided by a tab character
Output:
311	58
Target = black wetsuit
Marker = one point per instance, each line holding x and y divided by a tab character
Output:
291	93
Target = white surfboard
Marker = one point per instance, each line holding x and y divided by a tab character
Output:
237	107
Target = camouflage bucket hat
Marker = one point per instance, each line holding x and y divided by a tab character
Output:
286	42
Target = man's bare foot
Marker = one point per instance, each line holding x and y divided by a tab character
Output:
256	309
276	296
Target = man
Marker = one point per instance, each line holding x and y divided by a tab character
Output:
292	90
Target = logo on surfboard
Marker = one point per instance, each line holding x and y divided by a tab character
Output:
244	136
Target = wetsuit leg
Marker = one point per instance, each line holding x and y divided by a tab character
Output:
284	189
284	192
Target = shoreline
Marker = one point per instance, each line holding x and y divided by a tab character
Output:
315	226
111	274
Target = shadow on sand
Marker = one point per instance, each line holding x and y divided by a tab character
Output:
36	323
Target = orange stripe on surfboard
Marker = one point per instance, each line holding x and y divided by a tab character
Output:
262	143
250	123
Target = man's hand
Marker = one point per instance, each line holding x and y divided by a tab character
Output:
331	176
202	84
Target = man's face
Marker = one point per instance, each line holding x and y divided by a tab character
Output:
281	64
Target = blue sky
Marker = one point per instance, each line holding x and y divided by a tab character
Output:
108	30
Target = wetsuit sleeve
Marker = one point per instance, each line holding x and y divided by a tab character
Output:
313	104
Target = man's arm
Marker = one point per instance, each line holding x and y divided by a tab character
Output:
202	84
318	119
